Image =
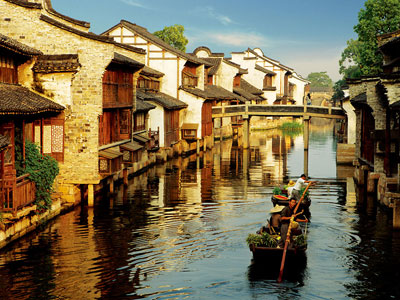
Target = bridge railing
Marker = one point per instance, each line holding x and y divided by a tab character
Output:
278	110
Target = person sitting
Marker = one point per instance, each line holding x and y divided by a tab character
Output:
274	225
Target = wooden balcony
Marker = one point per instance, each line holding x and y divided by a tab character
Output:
16	193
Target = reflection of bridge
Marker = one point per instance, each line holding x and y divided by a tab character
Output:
246	111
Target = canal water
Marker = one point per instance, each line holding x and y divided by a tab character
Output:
178	232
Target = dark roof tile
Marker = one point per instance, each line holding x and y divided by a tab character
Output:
15	46
142	105
90	35
57	63
264	70
147	71
157	41
162	99
250	88
18	100
51	10
124	60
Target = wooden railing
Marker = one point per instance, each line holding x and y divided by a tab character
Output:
16	193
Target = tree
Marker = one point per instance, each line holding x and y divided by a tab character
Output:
378	17
173	35
337	89
319	79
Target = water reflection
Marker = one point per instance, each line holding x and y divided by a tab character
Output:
178	232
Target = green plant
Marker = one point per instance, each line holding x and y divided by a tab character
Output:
263	239
277	191
300	240
42	170
291	128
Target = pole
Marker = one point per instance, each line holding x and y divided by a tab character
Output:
288	235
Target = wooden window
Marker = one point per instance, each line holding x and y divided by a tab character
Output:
48	134
206	119
139	122
8	69
8	130
148	83
117	88
267	81
171	123
114	126
236	81
189	77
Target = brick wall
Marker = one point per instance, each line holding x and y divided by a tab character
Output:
84	92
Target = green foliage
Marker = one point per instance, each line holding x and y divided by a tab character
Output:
291	126
173	35
319	79
277	191
378	17
337	88
263	239
42	170
300	240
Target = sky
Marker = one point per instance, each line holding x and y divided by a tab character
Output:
306	35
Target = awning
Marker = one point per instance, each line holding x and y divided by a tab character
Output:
131	146
141	138
190	126
110	153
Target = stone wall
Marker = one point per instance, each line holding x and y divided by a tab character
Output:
83	92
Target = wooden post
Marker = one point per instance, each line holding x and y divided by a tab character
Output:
125	175
198	146
246	138
396	214
205	143
306	132
111	185
90	195
212	134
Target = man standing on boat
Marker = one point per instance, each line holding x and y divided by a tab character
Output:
300	183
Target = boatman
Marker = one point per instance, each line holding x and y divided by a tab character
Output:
300	183
286	214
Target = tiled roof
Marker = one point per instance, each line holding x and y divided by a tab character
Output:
194	91
57	63
18	100
264	70
212	92
156	40
25	3
250	88
142	105
206	49
215	62
245	94
89	35
359	99
241	71
217	92
274	62
51	10
124	60
4	142
162	99
15	46
147	71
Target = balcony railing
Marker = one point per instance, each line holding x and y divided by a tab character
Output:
16	193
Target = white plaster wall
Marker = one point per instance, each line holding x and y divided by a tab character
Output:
193	112
298	93
170	69
271	97
202	54
156	120
59	85
225	76
351	122
200	74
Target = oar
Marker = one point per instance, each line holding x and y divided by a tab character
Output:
288	234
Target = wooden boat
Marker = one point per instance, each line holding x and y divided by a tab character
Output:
284	200
270	258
